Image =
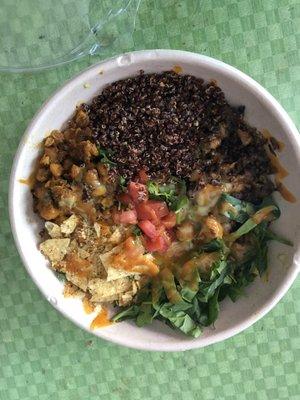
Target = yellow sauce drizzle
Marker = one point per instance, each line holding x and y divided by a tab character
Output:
30	181
101	320
281	172
177	69
131	259
87	305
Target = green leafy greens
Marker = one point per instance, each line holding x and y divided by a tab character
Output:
104	157
174	194
187	297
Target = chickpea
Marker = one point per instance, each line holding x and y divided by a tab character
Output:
185	232
99	191
57	136
52	152
67	164
48	211
107	202
49	141
92	178
82	118
211	229
40	192
42	175
45	160
56	169
75	171
89	149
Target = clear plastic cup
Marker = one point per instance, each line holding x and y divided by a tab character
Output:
37	34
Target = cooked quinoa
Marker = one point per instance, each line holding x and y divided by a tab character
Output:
175	125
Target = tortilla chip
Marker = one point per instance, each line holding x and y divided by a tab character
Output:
69	225
113	272
103	291
53	229
55	249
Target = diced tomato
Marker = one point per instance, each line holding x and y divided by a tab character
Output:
148	229
165	235
171	234
157	244
125	217
124	198
160	208
162	242
145	212
138	192
143	177
169	221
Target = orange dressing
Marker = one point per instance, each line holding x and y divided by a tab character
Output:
30	181
262	214
281	145
177	69
101	320
285	193
87	209
281	172
168	282
77	265
131	259
267	135
87	305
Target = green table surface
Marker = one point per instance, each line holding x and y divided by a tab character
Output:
43	355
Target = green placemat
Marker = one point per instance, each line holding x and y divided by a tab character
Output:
43	355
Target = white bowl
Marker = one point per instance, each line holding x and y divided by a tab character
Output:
262	111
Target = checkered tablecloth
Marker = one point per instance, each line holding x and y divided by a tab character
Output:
43	355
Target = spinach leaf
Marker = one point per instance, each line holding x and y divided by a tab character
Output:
128	313
199	312
169	286
136	231
235	209
219	273
213	245
156	292
213	307
223	269
187	293
269	213
180	206
122	183
104	157
166	192
242	280
174	194
180	320
145	314
269	235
